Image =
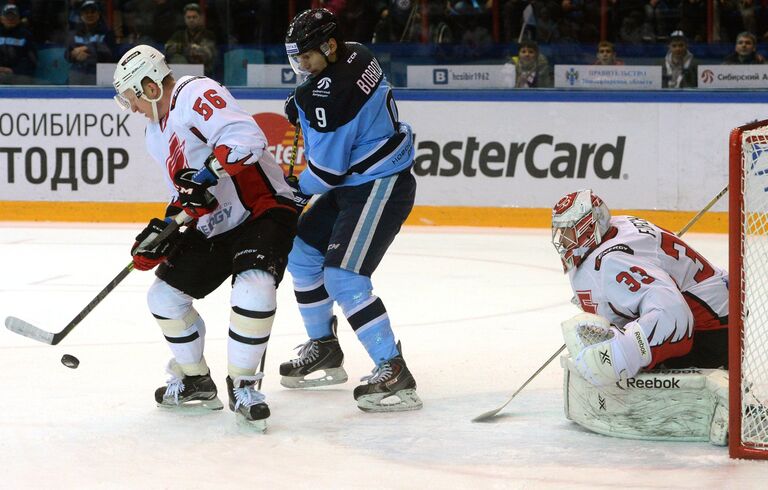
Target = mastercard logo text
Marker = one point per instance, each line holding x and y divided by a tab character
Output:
280	134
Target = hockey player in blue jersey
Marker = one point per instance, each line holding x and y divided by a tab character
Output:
359	158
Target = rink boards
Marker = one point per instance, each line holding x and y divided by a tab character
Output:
483	158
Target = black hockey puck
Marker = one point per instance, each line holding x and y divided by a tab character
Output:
70	361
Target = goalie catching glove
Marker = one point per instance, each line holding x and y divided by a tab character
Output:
146	255
604	353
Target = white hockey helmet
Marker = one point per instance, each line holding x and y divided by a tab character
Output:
138	63
580	221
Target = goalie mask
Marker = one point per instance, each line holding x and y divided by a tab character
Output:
310	30
580	220
137	64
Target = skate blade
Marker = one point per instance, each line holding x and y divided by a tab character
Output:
332	376
254	425
193	406
401	401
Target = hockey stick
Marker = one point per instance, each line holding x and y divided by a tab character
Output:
487	415
492	413
704	210
295	149
291	164
261	366
26	329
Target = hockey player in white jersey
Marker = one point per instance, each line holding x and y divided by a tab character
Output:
213	157
669	304
645	352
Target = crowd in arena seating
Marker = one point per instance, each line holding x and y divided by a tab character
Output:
70	37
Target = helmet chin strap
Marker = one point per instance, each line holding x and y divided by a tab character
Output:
154	102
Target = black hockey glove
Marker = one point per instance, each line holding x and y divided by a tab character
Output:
291	111
193	191
146	255
300	199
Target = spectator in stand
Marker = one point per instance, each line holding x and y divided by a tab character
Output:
18	57
579	20
472	21
91	43
195	44
693	19
244	21
606	54
46	19
397	22
660	18
532	69
357	18
745	52
679	70
735	16
149	22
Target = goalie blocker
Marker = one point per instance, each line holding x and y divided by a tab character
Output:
688	404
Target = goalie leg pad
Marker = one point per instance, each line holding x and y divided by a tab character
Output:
663	405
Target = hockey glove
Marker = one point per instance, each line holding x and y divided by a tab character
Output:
300	199
291	111
602	353
193	191
146	255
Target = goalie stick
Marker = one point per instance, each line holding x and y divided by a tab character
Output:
485	416
26	329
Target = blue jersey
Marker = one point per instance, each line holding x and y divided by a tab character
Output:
352	134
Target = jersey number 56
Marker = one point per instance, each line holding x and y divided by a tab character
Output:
213	99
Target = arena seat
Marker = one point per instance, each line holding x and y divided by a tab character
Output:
52	67
235	62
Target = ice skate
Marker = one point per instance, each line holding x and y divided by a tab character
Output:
389	388
184	391
247	402
321	358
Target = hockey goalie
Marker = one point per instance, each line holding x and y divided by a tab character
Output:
648	355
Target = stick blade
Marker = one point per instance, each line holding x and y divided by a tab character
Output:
484	417
26	329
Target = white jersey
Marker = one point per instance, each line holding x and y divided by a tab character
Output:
642	273
204	118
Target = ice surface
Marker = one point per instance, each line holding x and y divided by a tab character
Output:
477	310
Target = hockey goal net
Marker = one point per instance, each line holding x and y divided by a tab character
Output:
748	315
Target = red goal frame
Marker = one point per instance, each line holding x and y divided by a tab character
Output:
736	448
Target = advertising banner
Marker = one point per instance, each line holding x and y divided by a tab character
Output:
461	76
467	153
623	77
733	76
89	150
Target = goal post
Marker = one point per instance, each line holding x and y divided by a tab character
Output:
748	283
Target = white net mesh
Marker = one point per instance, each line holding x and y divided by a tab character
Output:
754	275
